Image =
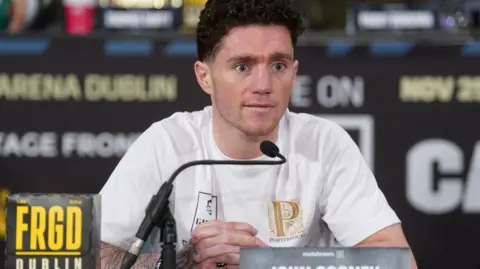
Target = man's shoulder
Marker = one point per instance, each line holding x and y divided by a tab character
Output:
181	132
304	124
314	137
183	121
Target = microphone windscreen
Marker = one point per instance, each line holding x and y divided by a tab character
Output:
269	148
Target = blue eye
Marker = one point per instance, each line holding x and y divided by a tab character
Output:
241	68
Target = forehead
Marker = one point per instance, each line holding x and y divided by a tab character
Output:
256	41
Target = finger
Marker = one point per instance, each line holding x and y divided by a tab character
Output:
222	238
206	265
229	258
232	238
242	226
216	225
215	251
205	232
210	223
260	243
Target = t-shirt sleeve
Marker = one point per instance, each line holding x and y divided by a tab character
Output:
352	204
126	194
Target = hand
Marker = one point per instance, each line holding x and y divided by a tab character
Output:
220	242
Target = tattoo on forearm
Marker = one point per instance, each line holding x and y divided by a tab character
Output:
147	261
111	258
185	258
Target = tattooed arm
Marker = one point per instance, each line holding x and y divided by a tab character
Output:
111	258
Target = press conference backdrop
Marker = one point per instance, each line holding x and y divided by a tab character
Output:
70	107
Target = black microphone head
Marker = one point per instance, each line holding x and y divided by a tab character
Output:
269	148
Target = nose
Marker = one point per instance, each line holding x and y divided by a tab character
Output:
263	83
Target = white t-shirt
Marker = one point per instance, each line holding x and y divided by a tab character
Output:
324	195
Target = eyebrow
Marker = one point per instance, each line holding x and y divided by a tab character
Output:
276	56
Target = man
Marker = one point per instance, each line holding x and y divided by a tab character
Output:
324	195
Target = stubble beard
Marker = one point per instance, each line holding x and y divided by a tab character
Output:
250	131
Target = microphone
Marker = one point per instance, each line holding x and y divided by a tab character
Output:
157	208
270	149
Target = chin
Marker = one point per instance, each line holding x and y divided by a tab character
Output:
261	130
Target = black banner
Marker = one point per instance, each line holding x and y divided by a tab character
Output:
70	107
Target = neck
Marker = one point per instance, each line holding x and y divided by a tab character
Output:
236	144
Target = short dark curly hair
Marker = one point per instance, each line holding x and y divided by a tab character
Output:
219	16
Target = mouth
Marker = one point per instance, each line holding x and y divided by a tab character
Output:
259	107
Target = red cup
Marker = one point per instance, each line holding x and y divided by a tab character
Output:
79	19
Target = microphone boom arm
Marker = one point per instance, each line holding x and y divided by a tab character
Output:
158	206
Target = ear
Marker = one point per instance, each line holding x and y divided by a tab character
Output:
204	78
295	70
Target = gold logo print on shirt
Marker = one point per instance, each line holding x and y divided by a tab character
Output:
285	220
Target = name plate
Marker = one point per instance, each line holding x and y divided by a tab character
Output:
59	231
381	17
324	258
118	19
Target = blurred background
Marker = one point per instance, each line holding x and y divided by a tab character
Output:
81	79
